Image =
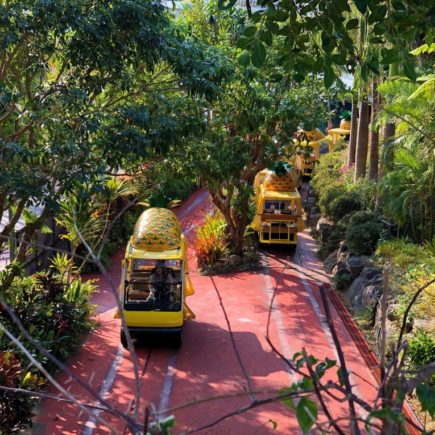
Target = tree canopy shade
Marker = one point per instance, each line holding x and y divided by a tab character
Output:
315	36
86	86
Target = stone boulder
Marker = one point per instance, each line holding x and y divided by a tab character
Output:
330	262
340	268
354	294
324	227
355	265
366	289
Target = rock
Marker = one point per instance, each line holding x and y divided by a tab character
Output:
330	262
370	295
372	275
313	219
340	268
354	294
426	325
324	227
355	265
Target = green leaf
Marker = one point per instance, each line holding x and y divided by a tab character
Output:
244	58
330	363
352	24
329	77
243	42
266	37
272	26
281	15
258	54
306	413
250	31
364	72
426	395
409	71
288	401
389	55
361	5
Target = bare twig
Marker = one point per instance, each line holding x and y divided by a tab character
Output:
233	341
65	369
354	423
50	379
52	397
319	396
123	322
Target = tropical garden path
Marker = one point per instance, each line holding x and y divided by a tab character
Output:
207	364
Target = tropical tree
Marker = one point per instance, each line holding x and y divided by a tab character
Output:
85	88
409	184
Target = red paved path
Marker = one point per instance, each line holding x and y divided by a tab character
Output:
206	364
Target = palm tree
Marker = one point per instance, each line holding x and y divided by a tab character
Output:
362	140
374	133
353	131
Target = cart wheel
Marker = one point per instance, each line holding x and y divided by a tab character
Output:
177	339
123	340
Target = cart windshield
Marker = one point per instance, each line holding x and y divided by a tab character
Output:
154	285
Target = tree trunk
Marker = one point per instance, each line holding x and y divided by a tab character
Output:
387	150
374	134
362	140
353	132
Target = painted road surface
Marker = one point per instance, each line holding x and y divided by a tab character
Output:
207	366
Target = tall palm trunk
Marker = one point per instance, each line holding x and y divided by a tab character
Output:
362	140
374	134
353	132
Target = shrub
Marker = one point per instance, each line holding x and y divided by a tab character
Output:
342	281
339	206
210	244
362	238
421	349
328	195
361	217
15	408
327	172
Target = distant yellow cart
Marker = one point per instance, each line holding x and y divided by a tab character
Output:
278	215
338	133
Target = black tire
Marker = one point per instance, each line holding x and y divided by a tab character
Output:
123	340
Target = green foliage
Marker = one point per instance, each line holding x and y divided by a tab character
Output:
426	395
15	409
421	350
306	413
361	217
408	188
210	243
343	204
363	238
312	46
54	308
342	281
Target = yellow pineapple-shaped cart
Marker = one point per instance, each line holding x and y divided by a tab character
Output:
155	277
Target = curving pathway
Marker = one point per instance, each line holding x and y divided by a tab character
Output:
207	365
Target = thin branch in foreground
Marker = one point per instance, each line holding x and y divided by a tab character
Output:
64	368
254	404
51	397
354	424
52	381
233	341
129	340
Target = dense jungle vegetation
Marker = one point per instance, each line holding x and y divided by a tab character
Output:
107	105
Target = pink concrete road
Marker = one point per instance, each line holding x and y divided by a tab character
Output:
206	365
